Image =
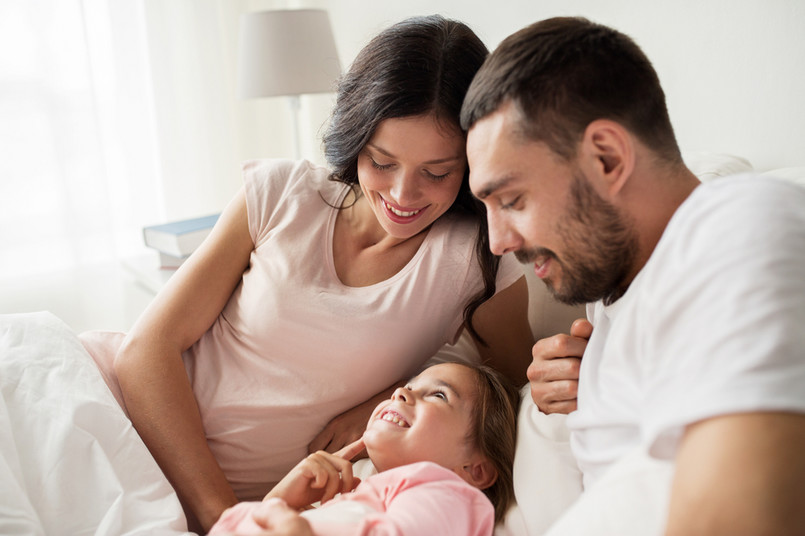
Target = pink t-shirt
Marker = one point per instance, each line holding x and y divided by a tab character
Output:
418	499
294	347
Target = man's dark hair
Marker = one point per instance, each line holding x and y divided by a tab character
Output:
564	73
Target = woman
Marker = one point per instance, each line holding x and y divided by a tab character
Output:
312	298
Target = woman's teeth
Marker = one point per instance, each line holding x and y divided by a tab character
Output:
402	213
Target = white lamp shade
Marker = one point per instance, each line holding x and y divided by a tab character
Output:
286	52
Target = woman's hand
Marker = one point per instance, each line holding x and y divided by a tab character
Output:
319	477
349	426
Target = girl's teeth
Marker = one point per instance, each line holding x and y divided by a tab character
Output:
396	420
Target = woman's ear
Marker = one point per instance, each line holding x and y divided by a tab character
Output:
480	473
608	154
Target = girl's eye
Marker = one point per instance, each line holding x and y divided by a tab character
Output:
440	394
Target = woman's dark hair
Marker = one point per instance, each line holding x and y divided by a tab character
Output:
494	432
420	66
566	72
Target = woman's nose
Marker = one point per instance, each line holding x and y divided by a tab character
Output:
405	191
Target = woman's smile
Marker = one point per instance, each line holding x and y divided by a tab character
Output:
402	215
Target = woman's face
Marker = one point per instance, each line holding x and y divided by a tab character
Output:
410	172
427	420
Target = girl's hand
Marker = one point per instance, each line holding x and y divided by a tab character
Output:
269	518
319	477
277	519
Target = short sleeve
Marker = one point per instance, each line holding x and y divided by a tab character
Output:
723	314
265	183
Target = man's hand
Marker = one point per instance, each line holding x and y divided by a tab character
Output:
319	477
554	371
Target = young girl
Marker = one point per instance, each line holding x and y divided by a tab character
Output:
447	434
264	344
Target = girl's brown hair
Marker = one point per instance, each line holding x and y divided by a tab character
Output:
494	432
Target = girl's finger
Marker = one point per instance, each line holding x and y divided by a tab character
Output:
351	450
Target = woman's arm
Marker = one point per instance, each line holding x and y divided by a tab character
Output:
502	321
152	375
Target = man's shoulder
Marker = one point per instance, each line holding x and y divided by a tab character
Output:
741	209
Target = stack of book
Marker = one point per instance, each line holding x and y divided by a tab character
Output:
176	240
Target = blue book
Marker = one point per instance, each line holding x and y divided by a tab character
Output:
179	238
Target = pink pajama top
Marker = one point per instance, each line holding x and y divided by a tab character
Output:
294	346
413	500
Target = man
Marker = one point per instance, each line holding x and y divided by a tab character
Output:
696	346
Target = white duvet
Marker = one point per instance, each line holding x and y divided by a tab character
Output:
70	460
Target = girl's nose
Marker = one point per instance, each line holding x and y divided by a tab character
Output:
402	394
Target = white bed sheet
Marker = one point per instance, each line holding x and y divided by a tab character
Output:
70	460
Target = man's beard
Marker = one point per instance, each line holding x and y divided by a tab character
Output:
600	249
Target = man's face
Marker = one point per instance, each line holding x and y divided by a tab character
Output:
548	213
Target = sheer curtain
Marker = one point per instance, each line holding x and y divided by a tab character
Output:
79	165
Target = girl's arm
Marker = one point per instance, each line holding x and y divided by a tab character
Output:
152	375
502	321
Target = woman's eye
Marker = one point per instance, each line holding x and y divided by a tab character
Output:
434	177
381	167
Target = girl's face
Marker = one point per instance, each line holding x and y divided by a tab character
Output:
410	172
427	420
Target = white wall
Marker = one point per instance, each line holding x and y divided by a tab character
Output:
733	70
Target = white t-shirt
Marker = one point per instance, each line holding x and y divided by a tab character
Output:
714	324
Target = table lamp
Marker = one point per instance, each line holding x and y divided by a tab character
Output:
287	53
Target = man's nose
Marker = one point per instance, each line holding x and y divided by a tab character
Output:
502	237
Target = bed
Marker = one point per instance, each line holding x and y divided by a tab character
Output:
71	462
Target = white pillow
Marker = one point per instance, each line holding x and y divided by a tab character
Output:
794	174
546	478
707	166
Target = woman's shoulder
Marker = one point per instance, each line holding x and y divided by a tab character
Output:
272	180
456	233
283	171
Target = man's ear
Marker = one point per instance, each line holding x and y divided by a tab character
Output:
479	473
608	153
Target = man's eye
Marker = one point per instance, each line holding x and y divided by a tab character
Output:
511	203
